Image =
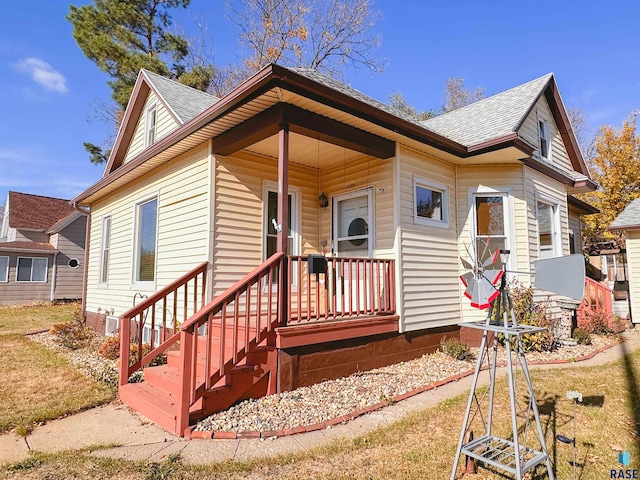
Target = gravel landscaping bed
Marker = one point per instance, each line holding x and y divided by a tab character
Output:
329	399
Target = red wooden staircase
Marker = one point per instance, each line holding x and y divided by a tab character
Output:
221	354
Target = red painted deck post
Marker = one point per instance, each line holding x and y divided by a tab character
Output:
125	348
283	221
184	379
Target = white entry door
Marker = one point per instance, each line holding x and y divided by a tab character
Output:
353	238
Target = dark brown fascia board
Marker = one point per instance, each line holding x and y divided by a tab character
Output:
253	87
127	127
305	123
548	171
318	92
635	226
587	182
506	141
583	207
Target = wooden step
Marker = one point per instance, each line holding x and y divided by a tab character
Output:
151	402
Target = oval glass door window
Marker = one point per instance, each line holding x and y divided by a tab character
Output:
358	227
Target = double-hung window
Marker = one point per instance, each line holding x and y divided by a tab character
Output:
548	238
491	225
4	269
32	269
145	243
104	249
545	140
431	202
150	126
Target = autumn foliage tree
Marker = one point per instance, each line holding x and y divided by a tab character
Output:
615	165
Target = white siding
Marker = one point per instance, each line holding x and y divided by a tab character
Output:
501	178
429	289
633	259
165	123
529	132
182	187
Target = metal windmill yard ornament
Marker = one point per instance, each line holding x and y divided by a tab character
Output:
525	448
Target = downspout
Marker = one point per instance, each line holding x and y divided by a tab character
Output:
87	212
52	295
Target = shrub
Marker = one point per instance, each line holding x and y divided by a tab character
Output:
73	335
456	349
597	323
110	348
582	336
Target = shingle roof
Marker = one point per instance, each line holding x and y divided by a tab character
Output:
31	246
36	212
186	102
490	118
630	217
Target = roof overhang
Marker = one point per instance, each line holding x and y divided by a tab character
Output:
580	207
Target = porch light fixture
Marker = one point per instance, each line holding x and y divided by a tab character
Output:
324	201
504	256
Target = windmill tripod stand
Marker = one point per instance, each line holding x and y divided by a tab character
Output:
525	449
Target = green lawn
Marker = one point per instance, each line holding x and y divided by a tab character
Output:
38	384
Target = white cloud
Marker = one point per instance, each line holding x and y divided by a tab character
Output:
42	73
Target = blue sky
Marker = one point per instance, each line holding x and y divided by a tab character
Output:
48	87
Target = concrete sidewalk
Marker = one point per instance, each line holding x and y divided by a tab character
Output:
139	439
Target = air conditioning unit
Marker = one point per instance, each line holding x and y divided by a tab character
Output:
112	325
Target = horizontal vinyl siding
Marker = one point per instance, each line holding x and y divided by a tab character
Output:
238	226
16	293
165	123
530	133
633	259
357	175
183	221
27	236
429	281
70	244
502	178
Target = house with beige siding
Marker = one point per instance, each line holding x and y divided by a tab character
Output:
41	250
628	222
297	229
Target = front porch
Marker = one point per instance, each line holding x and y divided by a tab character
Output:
240	345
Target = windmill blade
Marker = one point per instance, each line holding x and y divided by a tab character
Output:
467	278
493	275
466	264
492	259
483	294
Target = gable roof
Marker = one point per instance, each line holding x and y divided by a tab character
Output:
35	212
492	117
27	247
183	103
629	218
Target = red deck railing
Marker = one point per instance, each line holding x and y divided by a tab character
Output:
597	300
350	287
158	318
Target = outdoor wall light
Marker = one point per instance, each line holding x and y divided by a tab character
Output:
324	201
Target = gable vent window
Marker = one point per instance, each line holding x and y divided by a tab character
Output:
150	137
545	143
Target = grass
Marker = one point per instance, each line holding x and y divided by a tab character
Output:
423	444
39	384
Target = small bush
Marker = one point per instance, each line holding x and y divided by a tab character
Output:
110	348
583	337
73	335
597	323
456	349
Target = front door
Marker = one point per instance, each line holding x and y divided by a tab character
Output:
353	238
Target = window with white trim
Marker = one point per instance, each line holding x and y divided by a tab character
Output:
545	140
491	212
145	244
431	202
104	249
4	269
32	269
150	126
548	226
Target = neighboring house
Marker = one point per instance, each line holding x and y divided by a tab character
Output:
629	222
42	252
188	224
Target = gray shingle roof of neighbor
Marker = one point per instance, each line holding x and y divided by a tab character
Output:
186	102
630	217
490	118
